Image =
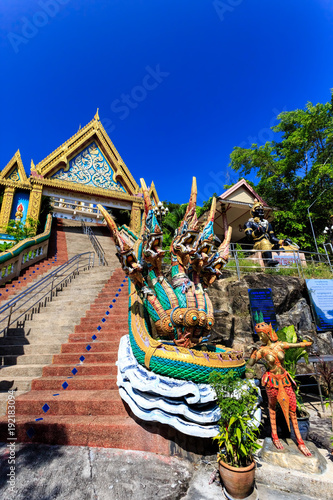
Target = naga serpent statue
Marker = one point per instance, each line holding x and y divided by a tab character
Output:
170	320
279	384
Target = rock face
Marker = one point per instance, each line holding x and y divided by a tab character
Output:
232	310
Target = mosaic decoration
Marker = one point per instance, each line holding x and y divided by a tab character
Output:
20	206
90	168
178	309
15	176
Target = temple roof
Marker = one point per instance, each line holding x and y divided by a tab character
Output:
14	174
92	133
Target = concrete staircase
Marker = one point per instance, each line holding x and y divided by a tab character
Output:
57	255
72	346
26	349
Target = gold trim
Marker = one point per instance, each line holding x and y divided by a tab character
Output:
70	186
16	161
71	147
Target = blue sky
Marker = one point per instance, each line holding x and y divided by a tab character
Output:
178	83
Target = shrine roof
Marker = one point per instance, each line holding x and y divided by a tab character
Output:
241	186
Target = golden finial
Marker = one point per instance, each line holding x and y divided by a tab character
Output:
32	166
96	117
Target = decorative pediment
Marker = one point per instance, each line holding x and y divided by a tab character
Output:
241	192
14	171
89	158
90	168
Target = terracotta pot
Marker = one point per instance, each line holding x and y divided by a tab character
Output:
238	481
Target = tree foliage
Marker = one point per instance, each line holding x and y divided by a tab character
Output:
21	231
294	170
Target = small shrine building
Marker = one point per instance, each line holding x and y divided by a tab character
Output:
84	171
233	206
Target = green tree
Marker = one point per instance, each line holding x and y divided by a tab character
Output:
21	231
294	170
171	221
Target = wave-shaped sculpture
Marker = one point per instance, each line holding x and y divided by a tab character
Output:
188	407
179	311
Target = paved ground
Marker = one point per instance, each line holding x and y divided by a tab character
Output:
46	472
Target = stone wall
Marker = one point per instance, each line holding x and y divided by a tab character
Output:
232	312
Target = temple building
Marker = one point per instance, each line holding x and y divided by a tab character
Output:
82	172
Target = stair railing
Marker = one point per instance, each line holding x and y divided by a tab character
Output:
96	244
24	305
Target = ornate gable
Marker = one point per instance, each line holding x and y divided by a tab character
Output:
14	174
90	159
90	168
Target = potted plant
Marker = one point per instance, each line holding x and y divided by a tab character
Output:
238	432
292	356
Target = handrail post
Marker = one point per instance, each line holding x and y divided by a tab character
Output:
10	315
51	289
237	264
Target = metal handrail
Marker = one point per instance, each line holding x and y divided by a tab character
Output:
238	255
95	243
43	290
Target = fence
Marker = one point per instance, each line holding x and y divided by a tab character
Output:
96	244
246	260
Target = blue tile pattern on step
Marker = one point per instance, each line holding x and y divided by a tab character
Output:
31	432
45	408
64	385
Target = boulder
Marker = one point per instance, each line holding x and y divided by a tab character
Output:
230	300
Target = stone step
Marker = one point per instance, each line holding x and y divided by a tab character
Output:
121	327
19	350
105	430
4	400
18	383
21	371
101	336
82	369
95	357
77	383
80	347
27	359
84	402
36	338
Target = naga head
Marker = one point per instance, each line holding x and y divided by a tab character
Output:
213	267
125	252
265	330
184	243
152	235
205	243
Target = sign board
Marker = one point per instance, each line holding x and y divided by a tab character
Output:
261	301
321	295
289	258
